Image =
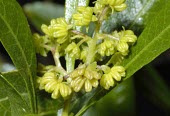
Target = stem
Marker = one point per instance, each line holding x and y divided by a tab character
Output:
92	50
93	42
70	62
66	108
56	57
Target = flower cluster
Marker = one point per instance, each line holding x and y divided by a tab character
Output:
91	59
84	16
115	73
51	83
85	76
117	5
58	28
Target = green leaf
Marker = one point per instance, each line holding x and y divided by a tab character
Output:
40	13
16	37
155	33
152	42
46	105
71	6
13	95
120	101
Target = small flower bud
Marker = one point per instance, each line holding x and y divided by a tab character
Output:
88	86
57	29
84	16
52	84
107	81
118	72
117	5
40	42
123	47
106	48
73	50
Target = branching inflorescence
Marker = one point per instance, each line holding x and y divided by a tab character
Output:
99	54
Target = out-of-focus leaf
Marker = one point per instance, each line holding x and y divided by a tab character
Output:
135	16
152	87
118	102
42	12
13	95
16	38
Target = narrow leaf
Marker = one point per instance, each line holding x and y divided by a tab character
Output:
13	95
17	40
152	42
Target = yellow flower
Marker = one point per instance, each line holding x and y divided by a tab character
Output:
117	5
83	16
73	50
58	29
115	73
123	47
125	38
85	77
55	85
40	42
107	48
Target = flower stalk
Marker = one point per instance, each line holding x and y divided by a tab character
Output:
82	52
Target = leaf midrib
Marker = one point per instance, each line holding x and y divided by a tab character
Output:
145	48
12	87
139	14
23	56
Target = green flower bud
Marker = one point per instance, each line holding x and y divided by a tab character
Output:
73	50
84	16
117	5
123	47
107	81
128	36
58	28
116	73
87	77
106	48
98	8
52	84
40	42
88	85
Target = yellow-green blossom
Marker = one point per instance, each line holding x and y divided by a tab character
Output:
73	50
107	47
58	29
115	73
125	38
51	83
85	77
41	44
117	5
83	16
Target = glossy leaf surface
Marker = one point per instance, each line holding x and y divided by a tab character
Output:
16	38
